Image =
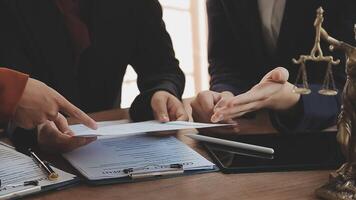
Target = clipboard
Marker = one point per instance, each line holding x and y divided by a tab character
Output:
136	158
31	191
55	187
12	178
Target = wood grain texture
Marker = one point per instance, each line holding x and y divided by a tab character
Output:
286	185
211	186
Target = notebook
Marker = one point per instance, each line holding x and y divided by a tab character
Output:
16	168
136	157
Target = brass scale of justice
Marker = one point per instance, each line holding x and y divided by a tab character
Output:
316	55
342	182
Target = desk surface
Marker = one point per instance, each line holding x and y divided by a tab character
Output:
277	185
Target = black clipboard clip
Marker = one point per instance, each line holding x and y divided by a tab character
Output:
25	183
154	170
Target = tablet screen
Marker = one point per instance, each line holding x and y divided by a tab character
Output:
305	151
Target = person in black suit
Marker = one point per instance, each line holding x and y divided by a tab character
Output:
82	48
248	39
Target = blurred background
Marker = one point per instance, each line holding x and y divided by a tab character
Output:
189	36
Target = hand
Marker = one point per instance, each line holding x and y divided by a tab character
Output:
57	137
40	103
203	109
203	105
273	92
167	107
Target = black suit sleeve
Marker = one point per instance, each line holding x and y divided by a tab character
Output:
12	44
13	55
154	62
223	53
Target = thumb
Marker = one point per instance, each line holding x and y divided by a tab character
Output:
62	124
159	108
220	104
72	111
279	75
222	99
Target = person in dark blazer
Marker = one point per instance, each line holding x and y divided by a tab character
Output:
82	48
248	39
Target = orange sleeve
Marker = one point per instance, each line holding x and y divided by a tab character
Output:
12	85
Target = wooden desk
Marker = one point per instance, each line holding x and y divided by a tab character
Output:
278	185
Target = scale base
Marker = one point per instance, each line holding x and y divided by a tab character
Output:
341	186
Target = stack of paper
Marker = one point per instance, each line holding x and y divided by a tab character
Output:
122	128
107	158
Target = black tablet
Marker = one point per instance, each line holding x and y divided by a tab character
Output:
304	151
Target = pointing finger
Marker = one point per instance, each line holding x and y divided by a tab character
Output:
72	111
61	123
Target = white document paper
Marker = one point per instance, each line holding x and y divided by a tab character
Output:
107	158
16	168
118	128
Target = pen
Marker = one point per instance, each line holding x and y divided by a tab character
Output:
244	152
51	174
229	143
